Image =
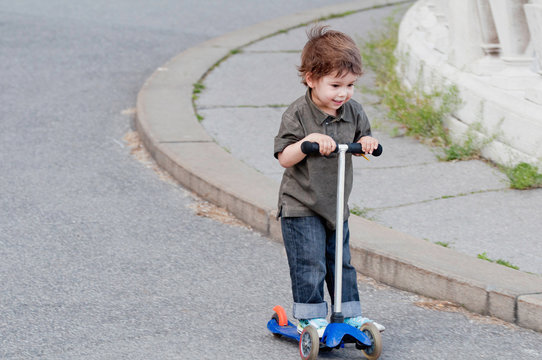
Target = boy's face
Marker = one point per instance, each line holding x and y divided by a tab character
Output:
330	92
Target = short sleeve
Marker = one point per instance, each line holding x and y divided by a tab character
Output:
290	132
363	127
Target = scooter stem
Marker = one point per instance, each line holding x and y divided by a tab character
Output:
337	307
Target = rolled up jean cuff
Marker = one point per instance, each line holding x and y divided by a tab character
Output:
310	311
351	309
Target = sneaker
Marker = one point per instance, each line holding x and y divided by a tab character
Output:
318	323
358	322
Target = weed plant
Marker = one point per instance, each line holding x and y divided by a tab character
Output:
421	112
470	148
443	244
364	213
483	256
524	176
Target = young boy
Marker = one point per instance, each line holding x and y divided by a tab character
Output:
330	65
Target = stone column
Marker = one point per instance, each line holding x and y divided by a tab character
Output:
512	29
490	39
465	33
534	19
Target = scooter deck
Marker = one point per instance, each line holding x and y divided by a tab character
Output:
289	331
336	334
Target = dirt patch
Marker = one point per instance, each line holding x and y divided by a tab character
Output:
209	210
372	282
201	207
138	151
440	305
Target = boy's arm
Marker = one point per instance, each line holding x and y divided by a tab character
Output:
363	133
292	154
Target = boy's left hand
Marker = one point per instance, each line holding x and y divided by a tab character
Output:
368	144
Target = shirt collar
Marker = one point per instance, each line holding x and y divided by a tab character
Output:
319	116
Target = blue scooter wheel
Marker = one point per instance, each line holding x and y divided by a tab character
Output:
309	343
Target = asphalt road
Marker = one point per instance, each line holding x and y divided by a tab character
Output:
103	259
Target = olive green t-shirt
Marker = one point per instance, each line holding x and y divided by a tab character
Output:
310	187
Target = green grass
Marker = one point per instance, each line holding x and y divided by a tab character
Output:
419	110
507	264
469	149
198	88
336	16
471	146
483	256
356	210
524	176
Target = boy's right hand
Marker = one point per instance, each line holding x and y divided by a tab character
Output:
292	154
326	143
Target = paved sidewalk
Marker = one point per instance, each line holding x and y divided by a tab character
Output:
467	205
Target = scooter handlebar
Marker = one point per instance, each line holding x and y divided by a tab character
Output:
308	147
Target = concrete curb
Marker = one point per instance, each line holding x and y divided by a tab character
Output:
168	126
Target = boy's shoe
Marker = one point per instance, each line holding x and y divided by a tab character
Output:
318	323
358	322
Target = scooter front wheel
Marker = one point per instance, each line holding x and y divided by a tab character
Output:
375	350
309	343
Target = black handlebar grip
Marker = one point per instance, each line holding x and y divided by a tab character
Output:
378	150
308	147
355	148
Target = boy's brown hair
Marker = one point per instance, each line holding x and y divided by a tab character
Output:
329	52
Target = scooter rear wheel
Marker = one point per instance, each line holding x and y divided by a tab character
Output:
281	318
276	317
309	343
375	350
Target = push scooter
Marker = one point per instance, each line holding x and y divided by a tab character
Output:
337	333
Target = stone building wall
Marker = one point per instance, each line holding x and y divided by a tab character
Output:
492	51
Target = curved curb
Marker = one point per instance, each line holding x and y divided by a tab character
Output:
168	126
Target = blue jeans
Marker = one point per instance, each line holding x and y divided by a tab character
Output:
310	247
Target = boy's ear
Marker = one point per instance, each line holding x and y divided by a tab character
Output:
309	80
